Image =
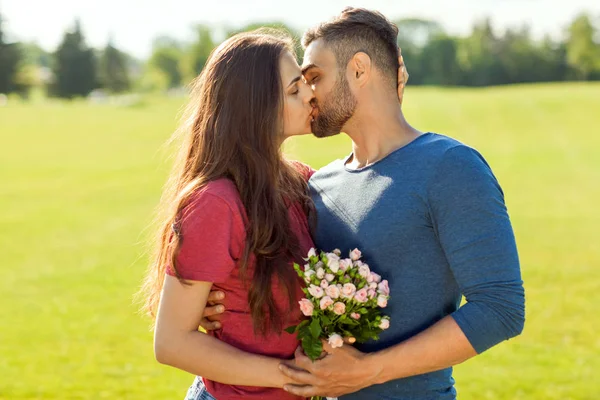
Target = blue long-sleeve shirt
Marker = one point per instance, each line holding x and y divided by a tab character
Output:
431	219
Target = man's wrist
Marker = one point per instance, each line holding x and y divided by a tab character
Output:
374	364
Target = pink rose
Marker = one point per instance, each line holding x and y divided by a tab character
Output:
306	306
382	301
384	324
320	273
335	340
339	308
364	271
372	294
355	254
332	291
329	277
325	302
348	290
373	286
361	295
355	315
376	277
384	288
316	291
345	264
324	284
312	252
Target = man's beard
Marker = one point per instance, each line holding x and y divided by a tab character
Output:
337	108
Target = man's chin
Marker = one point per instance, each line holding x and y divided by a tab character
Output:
324	133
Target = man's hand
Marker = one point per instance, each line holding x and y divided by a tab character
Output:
343	370
213	310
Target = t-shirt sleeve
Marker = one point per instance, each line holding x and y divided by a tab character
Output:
211	235
306	170
474	229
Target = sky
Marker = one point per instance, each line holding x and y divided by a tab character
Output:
133	24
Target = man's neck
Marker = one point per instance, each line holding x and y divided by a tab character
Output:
376	133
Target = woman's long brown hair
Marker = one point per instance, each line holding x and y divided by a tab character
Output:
233	130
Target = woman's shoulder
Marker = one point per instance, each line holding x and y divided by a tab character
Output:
306	170
219	194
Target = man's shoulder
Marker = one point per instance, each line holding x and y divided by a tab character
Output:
441	150
329	170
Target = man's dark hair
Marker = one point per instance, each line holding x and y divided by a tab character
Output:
360	30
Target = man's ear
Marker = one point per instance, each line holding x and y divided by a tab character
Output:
360	68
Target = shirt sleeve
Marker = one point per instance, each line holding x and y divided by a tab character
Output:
474	229
211	235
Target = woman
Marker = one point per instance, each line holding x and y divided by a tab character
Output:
235	219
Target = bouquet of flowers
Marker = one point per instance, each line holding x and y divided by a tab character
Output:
343	298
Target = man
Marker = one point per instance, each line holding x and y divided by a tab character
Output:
427	213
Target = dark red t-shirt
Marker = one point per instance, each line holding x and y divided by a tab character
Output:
213	232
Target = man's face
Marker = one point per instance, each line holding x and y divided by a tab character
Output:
334	102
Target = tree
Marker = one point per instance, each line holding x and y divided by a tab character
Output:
583	54
478	56
438	62
10	58
114	73
74	66
413	36
278	26
197	54
165	58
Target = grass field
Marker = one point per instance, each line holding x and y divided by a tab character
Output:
79	184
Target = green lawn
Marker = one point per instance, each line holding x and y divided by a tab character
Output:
79	184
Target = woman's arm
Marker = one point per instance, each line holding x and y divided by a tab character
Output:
178	343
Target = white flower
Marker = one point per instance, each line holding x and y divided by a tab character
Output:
364	271
376	277
320	273
324	284
382	301
345	264
333	291
308	275
355	254
384	324
316	291
331	277
312	252
334	265
335	340
348	290
306	267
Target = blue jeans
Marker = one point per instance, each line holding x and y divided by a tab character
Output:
198	391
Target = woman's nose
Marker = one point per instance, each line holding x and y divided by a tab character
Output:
309	97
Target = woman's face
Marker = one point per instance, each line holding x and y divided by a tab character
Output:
297	95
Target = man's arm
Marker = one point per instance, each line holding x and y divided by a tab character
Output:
346	370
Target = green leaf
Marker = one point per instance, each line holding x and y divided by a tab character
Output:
291	329
315	328
312	347
325	319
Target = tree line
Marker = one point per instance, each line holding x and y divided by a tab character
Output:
433	57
